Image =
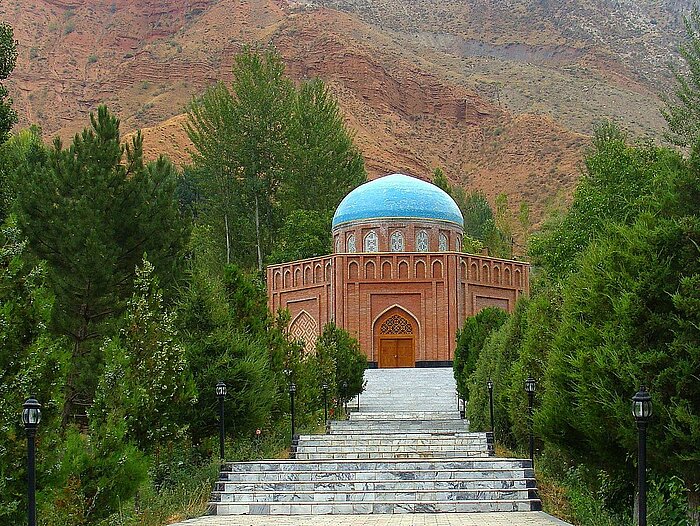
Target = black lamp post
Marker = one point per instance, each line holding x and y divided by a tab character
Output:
292	391
641	409
325	404
530	385
221	394
345	394
489	384
31	416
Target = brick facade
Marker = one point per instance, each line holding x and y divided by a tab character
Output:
410	304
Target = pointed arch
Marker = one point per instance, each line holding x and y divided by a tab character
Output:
420	269
369	270
395	334
403	270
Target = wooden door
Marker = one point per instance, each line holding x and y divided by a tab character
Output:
396	352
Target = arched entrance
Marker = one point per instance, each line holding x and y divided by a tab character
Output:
396	334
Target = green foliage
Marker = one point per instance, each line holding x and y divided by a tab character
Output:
32	362
496	362
470	340
87	477
616	180
8	59
304	234
91	211
480	223
240	140
325	165
13	156
682	112
341	363
146	381
266	154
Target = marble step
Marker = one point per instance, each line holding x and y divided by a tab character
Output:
373	507
404	415
374	439
400	484
477	465
388	495
397	426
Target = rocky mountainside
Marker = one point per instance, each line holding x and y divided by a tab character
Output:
500	93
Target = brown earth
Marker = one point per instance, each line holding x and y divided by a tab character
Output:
502	103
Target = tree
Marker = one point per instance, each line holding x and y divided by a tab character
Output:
325	165
8	59
341	362
682	112
614	188
304	234
146	373
241	142
265	154
32	362
13	156
470	340
91	211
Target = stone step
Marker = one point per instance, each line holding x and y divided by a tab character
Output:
406	453
477	465
371	494
373	439
324	475
335	485
404	415
374	507
397	426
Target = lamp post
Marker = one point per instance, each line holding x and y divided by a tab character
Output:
221	394
292	391
642	410
31	416
325	404
489	385
530	385
345	394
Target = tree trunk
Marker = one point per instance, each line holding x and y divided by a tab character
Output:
228	241
694	504
257	233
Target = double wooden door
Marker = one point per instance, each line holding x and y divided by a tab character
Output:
396	352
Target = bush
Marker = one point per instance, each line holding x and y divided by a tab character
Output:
341	363
470	340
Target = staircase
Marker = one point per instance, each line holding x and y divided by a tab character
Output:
405	451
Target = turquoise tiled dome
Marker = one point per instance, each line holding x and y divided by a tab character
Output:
397	196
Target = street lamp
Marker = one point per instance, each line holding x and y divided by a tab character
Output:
489	385
641	409
292	391
31	416
325	404
221	394
530	385
345	394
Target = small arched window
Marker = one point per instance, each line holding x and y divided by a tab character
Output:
351	244
397	244
458	244
371	242
442	247
337	245
422	241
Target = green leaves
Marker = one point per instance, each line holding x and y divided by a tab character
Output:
264	150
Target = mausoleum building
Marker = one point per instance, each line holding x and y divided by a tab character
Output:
397	279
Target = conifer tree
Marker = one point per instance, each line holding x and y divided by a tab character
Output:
91	211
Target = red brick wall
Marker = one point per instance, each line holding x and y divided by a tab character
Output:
437	289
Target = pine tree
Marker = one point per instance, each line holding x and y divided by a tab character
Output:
91	211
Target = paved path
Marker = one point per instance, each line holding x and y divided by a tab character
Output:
533	518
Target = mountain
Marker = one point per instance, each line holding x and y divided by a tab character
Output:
502	94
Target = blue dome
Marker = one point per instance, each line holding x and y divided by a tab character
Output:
397	196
